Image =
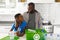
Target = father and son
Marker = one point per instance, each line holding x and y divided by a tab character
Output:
29	20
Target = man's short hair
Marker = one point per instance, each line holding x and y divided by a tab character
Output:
31	4
17	15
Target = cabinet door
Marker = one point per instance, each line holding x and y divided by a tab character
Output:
43	8
57	14
2	3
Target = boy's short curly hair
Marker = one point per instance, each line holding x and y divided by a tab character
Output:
18	14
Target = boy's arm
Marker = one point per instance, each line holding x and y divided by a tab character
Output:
22	28
20	34
22	31
23	25
12	27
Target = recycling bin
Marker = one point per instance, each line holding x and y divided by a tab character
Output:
37	34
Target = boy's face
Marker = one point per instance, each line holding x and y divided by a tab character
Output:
19	19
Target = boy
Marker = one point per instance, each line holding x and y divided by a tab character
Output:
19	25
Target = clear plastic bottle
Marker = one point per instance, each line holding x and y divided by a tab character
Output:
54	37
49	36
45	36
58	37
11	34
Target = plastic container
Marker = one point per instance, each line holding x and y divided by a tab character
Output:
33	34
11	34
49	37
45	36
58	37
54	37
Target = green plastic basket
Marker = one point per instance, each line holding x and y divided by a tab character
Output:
31	35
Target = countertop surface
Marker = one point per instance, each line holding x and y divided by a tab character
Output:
4	30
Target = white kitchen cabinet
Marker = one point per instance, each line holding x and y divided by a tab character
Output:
43	9
55	13
41	1
57	29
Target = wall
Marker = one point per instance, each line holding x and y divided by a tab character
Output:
41	1
57	16
49	11
55	13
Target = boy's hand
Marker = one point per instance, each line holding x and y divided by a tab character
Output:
17	25
19	34
11	30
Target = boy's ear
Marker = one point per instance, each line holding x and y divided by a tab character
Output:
15	22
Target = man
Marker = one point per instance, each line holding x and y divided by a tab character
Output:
32	17
19	25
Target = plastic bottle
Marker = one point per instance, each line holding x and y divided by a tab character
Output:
11	34
45	36
58	37
54	37
51	36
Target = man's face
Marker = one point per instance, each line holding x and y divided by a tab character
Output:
19	19
30	8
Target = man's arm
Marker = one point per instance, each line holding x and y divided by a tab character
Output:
26	16
40	20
